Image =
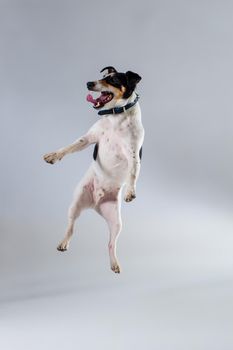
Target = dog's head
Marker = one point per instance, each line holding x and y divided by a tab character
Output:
114	87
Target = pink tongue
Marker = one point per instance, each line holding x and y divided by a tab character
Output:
90	99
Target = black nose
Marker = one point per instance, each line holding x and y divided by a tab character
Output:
90	84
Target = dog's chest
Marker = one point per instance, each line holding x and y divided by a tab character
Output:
119	132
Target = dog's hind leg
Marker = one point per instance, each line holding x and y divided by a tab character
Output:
82	200
110	210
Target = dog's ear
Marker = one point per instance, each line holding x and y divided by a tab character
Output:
133	78
109	70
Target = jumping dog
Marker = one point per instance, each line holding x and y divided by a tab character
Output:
118	137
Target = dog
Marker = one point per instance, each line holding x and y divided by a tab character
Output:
118	137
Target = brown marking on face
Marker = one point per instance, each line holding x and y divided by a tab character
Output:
118	93
104	83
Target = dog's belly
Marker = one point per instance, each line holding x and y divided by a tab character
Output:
100	185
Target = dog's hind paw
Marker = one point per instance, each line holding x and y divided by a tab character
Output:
63	246
116	268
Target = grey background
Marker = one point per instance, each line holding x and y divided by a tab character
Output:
175	290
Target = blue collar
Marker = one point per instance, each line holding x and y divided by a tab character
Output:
117	110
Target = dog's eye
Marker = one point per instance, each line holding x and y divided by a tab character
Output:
114	81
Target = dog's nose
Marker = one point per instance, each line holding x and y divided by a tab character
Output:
90	84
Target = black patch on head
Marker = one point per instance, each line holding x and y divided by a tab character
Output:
128	80
95	153
117	80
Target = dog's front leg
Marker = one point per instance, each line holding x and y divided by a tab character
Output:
76	146
133	155
134	169
134	163
81	143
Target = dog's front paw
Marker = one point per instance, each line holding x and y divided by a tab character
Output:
130	195
52	157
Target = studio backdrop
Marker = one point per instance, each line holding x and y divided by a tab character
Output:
175	289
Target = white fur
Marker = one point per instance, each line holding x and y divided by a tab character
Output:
120	138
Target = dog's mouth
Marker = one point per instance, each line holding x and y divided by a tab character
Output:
105	97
